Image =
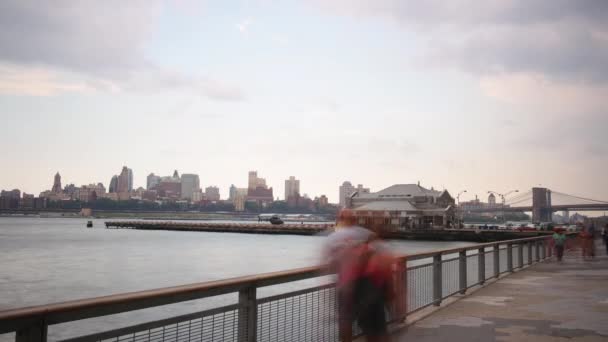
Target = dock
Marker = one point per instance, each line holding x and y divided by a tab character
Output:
220	227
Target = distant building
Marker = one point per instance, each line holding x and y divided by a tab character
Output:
292	187
232	193
212	193
125	180
70	190
189	184
346	190
90	193
255	182
149	195
152	181
28	201
403	206
113	184
10	199
323	201
492	200
170	187
197	196
261	195
56	184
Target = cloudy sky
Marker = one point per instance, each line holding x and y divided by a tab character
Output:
462	94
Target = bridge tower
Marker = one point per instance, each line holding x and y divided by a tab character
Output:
541	205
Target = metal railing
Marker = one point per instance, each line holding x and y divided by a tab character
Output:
309	314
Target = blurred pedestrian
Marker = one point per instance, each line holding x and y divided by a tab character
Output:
364	285
586	242
605	237
559	240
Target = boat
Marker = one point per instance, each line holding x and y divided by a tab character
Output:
89	224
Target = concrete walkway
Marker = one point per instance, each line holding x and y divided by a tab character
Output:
549	301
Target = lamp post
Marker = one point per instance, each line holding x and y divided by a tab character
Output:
461	218
502	197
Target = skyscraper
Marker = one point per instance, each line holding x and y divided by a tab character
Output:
129	180
56	184
113	184
123	180
152	181
292	187
346	189
255	182
233	193
189	184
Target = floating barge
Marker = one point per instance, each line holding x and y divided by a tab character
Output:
250	228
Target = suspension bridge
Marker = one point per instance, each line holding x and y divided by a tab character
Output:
543	202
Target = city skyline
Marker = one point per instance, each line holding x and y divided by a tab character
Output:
376	92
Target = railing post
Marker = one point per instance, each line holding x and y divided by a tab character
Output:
248	312
462	273
529	253
510	257
536	251
481	265
520	251
543	251
36	332
549	249
437	281
496	260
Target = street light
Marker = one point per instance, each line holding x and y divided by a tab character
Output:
502	197
461	218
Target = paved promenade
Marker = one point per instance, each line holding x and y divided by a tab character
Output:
549	301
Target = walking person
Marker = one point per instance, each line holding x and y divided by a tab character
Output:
559	240
605	236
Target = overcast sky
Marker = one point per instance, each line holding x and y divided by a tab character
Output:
461	94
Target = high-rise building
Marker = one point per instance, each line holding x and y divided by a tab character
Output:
212	193
190	183
346	189
323	201
152	181
113	188
123	180
255	182
129	180
232	194
56	184
292	187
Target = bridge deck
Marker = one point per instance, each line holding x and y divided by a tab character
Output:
546	302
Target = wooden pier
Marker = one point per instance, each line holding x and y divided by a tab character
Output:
250	228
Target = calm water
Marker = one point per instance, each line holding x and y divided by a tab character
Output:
46	260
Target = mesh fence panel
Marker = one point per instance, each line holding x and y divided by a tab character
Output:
489	264
218	326
502	260
450	272
472	270
307	316
419	287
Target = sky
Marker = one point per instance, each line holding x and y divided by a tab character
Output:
465	94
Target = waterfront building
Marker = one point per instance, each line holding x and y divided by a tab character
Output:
492	200
345	191
170	187
212	193
189	184
403	206
292	187
27	201
152	181
9	199
56	184
89	193
149	195
113	184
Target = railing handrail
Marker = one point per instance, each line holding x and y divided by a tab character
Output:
15	319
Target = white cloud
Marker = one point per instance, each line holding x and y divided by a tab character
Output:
67	46
243	26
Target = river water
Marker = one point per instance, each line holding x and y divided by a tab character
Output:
47	260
